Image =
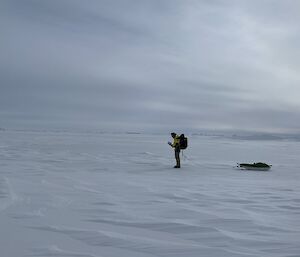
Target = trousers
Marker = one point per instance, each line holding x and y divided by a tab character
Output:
177	156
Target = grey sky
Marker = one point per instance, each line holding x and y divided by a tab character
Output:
150	64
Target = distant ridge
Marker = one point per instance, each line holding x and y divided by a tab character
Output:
250	136
234	135
133	133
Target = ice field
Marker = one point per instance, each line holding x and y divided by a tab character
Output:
68	194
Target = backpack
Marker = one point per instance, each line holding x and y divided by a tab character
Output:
183	142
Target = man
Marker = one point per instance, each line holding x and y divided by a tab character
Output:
176	146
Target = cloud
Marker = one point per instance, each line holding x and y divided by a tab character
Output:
150	64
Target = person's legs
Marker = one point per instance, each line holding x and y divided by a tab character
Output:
177	157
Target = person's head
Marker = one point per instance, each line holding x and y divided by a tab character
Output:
173	134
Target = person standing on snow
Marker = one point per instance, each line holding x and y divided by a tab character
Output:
176	146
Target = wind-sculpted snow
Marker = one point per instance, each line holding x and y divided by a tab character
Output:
95	195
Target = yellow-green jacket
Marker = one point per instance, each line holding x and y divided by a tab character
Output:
176	142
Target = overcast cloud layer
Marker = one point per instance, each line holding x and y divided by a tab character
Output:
147	65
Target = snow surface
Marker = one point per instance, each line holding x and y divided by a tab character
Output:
117	195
